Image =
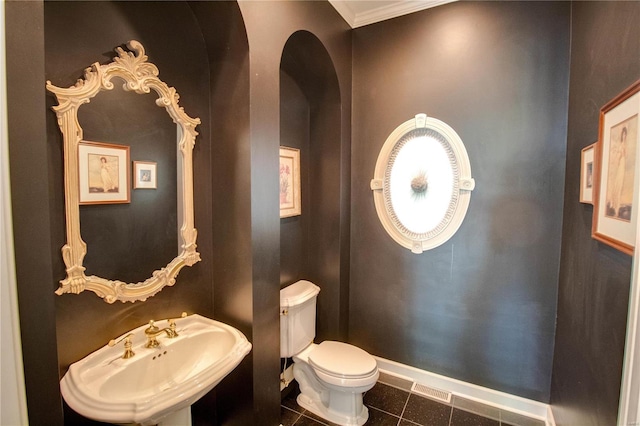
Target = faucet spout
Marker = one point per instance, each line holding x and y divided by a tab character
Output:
152	332
152	338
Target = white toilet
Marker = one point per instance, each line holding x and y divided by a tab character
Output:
333	376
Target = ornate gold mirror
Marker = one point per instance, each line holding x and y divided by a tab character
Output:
422	183
141	77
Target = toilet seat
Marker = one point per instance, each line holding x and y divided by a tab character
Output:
342	364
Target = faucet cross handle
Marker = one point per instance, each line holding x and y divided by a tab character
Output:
128	353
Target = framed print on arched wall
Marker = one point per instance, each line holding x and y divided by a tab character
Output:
290	200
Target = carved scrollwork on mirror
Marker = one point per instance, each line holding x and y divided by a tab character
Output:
139	76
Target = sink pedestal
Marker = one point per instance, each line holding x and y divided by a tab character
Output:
180	417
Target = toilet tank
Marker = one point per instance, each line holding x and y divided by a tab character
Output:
297	317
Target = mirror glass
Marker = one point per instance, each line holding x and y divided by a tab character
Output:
131	234
129	241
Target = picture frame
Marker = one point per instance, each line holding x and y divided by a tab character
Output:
616	196
290	199
145	175
103	173
587	170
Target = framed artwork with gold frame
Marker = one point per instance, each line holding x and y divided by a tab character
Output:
103	171
616	196
290	200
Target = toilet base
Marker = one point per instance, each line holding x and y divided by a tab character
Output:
317	408
342	406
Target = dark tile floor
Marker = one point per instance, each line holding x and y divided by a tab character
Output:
391	403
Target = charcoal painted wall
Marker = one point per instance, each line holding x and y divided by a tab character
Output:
32	214
294	133
269	27
228	51
77	35
205	55
310	244
75	32
73	36
594	278
481	307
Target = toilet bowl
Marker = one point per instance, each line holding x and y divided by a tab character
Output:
333	376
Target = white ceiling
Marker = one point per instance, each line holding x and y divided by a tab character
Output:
358	13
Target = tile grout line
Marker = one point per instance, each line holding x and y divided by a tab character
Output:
293	411
381	410
500	419
404	408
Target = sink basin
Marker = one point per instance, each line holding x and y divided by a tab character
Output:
157	382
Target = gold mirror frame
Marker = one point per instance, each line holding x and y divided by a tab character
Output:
140	77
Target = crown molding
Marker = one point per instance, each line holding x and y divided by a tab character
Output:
345	11
383	12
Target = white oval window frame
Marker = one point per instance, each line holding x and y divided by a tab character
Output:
463	184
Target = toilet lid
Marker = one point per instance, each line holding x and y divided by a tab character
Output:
342	360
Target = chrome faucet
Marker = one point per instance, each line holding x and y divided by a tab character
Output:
152	332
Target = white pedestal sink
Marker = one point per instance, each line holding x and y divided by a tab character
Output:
157	384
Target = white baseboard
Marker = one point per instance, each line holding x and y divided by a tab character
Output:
497	399
551	421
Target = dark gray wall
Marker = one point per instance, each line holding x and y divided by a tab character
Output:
128	240
228	52
269	26
310	244
32	214
481	307
594	278
206	57
68	51
77	35
294	133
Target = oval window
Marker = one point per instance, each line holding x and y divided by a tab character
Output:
422	183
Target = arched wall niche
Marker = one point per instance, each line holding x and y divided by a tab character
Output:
205	58
310	120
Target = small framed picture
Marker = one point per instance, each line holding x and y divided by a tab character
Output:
616	196
289	182
103	172
586	174
144	175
